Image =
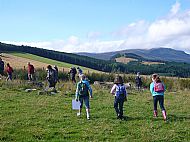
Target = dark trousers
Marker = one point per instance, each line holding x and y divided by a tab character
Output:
160	99
51	83
9	76
118	105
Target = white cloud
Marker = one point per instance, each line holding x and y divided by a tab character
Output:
175	8
133	29
172	31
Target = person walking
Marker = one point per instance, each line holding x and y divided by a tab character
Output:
9	71
2	64
138	81
31	72
82	95
80	72
51	77
120	93
157	89
56	73
72	74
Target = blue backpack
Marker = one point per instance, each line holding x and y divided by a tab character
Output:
120	91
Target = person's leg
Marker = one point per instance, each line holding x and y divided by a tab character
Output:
116	106
10	76
121	102
81	104
87	105
29	77
161	102
155	101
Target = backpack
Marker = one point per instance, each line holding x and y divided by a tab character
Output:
83	89
158	87
52	75
120	91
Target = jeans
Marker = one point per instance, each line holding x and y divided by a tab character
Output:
118	105
9	76
160	99
86	101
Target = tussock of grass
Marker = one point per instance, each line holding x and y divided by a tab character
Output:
31	117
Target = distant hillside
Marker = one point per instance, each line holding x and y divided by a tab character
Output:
20	60
169	68
155	54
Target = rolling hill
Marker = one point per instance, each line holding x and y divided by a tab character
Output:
168	68
19	60
155	54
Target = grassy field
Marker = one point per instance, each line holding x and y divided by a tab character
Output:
31	117
19	60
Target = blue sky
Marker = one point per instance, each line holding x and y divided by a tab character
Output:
96	25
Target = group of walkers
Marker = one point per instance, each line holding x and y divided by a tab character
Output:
84	90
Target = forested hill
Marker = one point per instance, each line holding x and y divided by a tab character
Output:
154	54
169	68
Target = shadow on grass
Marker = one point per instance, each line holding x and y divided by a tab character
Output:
127	118
174	118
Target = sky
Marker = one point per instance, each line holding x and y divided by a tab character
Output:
96	26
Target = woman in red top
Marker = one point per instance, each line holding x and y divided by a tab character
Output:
9	71
30	72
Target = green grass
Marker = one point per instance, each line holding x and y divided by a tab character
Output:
49	61
31	117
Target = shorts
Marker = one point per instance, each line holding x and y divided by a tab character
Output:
84	99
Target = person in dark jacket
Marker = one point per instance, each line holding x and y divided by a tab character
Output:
51	76
73	73
138	81
2	64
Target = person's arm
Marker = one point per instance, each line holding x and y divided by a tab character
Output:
77	92
113	89
89	88
152	87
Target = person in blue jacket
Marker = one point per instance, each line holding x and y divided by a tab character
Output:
82	94
157	89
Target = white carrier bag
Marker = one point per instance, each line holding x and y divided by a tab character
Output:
75	104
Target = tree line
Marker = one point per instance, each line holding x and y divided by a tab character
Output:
167	69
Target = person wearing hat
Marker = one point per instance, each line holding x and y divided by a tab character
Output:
120	93
82	95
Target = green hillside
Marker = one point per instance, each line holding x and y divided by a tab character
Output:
169	68
48	61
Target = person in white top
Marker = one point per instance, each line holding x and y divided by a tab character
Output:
120	93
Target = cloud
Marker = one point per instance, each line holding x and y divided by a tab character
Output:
133	29
175	8
172	30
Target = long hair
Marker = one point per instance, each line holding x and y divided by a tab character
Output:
157	79
154	76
